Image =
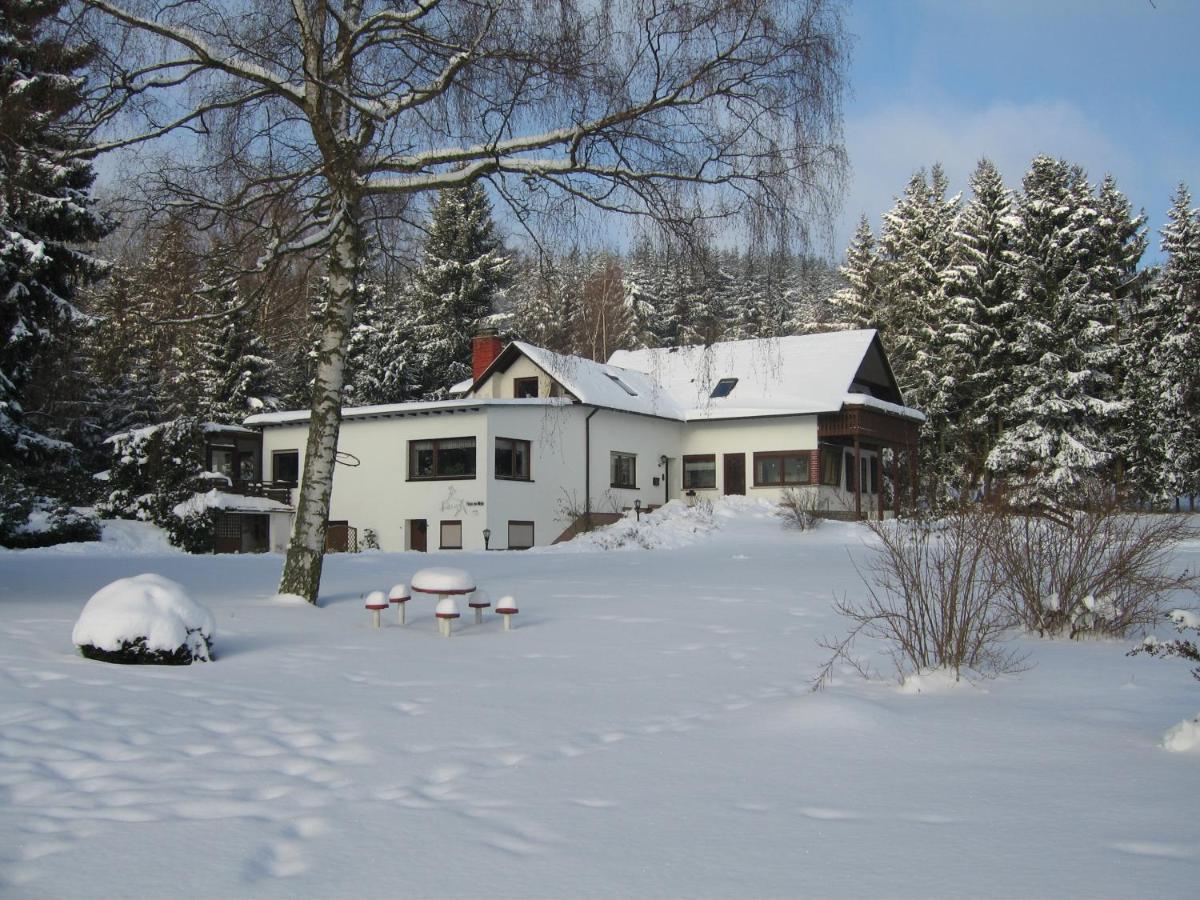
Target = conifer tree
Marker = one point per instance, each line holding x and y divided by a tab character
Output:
1116	291
45	210
1170	340
860	303
244	382
545	309
463	274
1062	409
980	288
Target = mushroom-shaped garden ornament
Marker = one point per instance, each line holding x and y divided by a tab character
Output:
507	607
400	596
446	612
376	602
479	602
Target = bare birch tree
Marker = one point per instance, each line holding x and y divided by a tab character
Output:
679	110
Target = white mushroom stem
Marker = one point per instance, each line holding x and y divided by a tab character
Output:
507	621
400	612
375	617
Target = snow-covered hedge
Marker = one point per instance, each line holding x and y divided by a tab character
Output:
154	471
27	520
144	619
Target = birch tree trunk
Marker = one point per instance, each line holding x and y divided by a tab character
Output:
306	549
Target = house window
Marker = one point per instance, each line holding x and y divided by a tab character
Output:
512	459
700	472
520	535
724	386
221	461
525	387
781	467
451	538
622	385
624	470
831	466
285	467
441	458
868	473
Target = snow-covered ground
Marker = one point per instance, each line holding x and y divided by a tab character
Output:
646	730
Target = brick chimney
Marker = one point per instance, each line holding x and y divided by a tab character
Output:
485	347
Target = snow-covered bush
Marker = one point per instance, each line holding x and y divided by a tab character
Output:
1178	648
1096	571
144	619
932	592
153	470
799	509
28	520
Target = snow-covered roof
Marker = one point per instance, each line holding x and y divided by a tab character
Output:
215	499
806	374
775	376
300	416
604	384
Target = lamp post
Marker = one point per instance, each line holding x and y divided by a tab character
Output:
487	536
637	508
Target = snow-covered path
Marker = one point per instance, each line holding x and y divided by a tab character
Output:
646	730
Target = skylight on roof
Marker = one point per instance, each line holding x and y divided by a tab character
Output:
626	388
724	386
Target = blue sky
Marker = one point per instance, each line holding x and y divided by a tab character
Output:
1111	84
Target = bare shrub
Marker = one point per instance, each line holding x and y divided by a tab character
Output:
931	596
799	509
1179	648
1096	571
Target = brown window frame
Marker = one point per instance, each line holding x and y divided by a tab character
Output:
275	454
781	455
834	453
699	457
612	471
532	534
436	444
520	384
442	545
528	476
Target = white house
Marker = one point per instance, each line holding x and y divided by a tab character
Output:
538	443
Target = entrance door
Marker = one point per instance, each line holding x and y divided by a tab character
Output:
418	535
337	537
735	473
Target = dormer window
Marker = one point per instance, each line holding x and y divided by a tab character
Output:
626	388
724	386
523	388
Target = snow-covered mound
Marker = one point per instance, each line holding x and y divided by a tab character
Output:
673	525
144	619
1184	737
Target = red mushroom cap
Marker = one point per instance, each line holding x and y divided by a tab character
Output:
479	604
376	600
447	615
507	610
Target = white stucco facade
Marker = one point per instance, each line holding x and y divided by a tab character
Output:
600	438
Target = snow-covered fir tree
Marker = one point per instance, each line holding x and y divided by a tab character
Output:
462	276
924	332
45	209
980	287
242	366
545	309
379	359
1170	341
1058	425
1116	290
859	303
